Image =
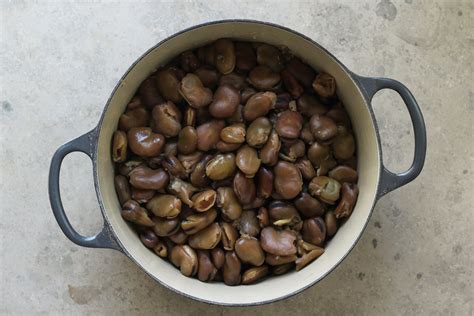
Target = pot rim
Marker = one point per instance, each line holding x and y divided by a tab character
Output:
97	129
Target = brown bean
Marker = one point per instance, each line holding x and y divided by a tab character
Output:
135	102
270	56
206	269
322	127
245	58
194	92
149	238
289	124
244	188
236	117
324	85
145	178
224	147
225	102
314	231
143	142
122	188
264	182
229	236
142	196
346	205
269	152
282	213
321	158
168	85
224	57
256	203
294	150
125	168
182	189
187	140
307	258
248	223
282	269
174	166
259	104
263	217
171	148
234	80
249	251
258	132
306	168
231	269
197	222
344	174
190	161
198	176
255	274
154	162
218	257
134	118
179	237
308	105
331	223
291	84
209	134
207	238
246	93
263	78
148	92
278	242
206	54
308	206
325	188
282	102
234	134
221	166
204	200
247	161
288	181
165	205
185	258
276	260
302	72
133	212
306	134
208	76
166	119
189	62
305	247
227	201
165	226
160	249
343	144
339	115
119	146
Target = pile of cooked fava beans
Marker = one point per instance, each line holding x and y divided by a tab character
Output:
236	161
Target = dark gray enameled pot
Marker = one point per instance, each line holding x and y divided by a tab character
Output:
355	91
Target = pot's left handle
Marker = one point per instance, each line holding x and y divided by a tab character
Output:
105	238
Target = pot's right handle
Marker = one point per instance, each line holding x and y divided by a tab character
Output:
390	181
105	238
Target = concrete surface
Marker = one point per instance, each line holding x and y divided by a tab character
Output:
58	64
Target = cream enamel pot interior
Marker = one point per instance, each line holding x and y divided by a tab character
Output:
374	179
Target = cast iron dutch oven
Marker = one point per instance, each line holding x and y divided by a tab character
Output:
355	92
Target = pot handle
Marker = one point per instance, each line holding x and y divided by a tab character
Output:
389	180
105	238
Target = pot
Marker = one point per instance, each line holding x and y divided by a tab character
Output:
356	93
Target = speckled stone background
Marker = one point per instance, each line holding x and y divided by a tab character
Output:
58	64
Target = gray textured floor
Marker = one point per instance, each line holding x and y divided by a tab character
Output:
58	64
